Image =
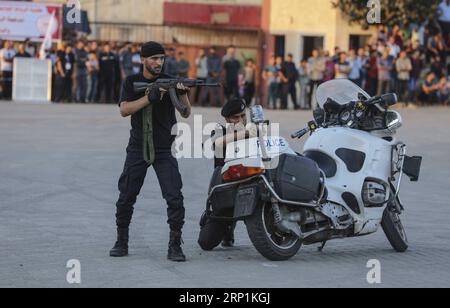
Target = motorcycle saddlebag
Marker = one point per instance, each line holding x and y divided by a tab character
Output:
297	178
223	199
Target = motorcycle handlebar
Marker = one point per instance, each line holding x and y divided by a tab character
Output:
299	134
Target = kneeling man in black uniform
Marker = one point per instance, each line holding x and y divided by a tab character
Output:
212	232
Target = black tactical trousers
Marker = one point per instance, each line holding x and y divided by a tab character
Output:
213	232
286	90
132	179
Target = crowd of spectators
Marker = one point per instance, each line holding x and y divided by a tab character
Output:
412	62
92	72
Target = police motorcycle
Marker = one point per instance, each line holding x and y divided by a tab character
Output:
345	184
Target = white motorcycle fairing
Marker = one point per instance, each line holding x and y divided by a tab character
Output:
377	158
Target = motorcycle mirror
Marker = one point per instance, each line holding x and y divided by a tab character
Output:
257	114
332	106
319	116
389	99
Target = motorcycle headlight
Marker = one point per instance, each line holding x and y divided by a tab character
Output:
375	193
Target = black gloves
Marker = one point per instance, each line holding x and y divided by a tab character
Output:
154	95
182	92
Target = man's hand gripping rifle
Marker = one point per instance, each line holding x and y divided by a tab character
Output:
170	85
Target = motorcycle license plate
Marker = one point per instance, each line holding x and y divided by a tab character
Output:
245	203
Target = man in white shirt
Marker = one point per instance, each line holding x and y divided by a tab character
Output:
394	49
7	55
444	16
316	70
202	72
136	60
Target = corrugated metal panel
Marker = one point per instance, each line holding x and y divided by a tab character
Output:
177	35
131	32
193	36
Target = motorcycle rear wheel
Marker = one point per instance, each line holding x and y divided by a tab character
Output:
268	241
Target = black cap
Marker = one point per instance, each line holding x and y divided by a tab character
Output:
233	107
150	49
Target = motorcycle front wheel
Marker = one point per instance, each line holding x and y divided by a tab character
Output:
267	239
394	230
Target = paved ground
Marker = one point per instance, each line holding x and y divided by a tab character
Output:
59	166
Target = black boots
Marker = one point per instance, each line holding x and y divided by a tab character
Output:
175	252
121	247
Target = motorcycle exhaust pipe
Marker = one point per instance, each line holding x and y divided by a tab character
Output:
285	226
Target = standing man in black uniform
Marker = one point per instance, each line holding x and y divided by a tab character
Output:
108	66
232	68
289	70
69	65
152	119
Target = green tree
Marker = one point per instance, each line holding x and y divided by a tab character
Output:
400	12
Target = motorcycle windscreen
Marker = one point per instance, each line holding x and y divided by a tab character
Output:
342	91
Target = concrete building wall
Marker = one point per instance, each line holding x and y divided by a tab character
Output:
344	30
124	16
125	11
141	11
303	16
297	18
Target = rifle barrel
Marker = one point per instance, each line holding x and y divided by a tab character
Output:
142	86
210	85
